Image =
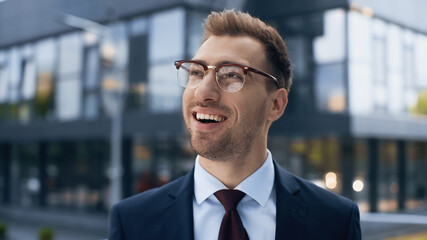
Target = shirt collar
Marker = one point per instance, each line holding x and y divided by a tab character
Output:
257	186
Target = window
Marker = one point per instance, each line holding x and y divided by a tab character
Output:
25	183
3	85
330	47
379	69
167	35
415	174
28	83
360	30
421	60
330	92
195	32
69	86
28	79
329	54
395	101
45	57
420	50
3	76
15	74
91	82
164	89
409	70
166	44
76	172
361	90
114	55
12	82
138	65
360	65
387	177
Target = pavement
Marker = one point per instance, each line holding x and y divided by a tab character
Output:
408	225
25	223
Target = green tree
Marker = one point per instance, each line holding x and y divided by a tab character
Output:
421	105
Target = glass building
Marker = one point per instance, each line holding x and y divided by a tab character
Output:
355	123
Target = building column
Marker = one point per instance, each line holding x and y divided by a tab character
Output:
6	157
373	159
42	157
401	173
347	166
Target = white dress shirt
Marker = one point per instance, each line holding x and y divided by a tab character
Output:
257	209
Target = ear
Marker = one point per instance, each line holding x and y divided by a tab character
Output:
279	100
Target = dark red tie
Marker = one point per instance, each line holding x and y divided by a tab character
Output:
231	225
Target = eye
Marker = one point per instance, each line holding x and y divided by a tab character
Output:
234	75
196	73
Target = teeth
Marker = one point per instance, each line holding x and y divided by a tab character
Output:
201	116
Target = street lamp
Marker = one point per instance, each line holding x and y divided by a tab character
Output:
114	87
113	90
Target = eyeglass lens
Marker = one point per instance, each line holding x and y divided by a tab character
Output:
229	78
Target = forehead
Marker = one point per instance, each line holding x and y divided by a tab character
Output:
242	50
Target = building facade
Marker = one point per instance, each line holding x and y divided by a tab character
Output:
356	121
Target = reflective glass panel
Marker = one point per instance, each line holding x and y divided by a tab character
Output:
359	37
415	175
360	81
91	68
395	86
394	47
69	86
164	90
421	60
166	37
195	31
70	54
138	26
331	46
15	74
68	94
387	177
3	76
29	80
330	92
45	55
91	106
46	61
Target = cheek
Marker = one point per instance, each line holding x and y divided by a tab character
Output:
185	99
253	107
186	102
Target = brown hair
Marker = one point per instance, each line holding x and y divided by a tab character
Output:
236	23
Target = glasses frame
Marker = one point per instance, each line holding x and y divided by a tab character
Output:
245	69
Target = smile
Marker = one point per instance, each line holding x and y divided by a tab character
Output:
209	118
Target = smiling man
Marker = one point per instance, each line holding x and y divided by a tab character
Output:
236	86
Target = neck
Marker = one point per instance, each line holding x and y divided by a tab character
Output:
233	170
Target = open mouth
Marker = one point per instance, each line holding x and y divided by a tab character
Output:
208	118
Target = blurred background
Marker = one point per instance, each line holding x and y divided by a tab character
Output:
90	108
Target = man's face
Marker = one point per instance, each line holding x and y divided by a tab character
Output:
241	116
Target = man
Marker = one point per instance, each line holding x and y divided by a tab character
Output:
237	85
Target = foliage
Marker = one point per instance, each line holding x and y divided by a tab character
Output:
2	230
46	234
421	105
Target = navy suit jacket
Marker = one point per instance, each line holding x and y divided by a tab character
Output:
303	211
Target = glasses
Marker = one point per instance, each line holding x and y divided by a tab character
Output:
230	77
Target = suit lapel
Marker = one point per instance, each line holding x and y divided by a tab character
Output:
290	209
178	215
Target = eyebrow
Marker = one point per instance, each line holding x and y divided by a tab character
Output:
220	63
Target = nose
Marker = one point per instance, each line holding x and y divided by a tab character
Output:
208	89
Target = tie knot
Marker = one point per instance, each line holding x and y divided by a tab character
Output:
229	198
